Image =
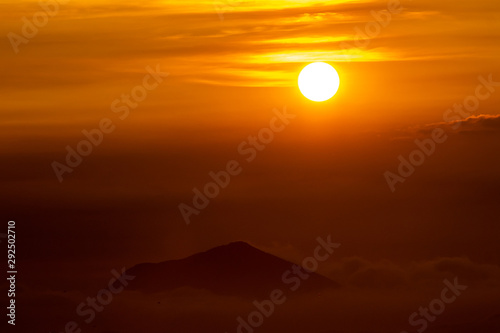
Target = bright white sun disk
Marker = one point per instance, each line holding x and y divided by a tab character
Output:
319	81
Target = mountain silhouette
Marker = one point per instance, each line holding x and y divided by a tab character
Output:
237	269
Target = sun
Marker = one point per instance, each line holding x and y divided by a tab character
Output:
319	81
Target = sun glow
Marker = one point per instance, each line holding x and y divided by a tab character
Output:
319	81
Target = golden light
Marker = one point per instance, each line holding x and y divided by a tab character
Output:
319	81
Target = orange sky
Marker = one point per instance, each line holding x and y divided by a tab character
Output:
226	75
96	50
227	72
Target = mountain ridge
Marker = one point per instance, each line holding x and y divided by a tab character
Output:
236	268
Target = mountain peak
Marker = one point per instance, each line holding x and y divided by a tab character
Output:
237	269
239	244
235	246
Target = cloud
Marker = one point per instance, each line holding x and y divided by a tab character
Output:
483	123
382	275
480	123
472	272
